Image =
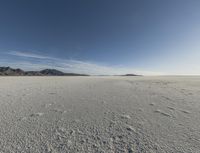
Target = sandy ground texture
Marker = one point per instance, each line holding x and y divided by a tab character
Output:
100	114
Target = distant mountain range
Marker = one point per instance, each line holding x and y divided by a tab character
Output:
7	71
131	75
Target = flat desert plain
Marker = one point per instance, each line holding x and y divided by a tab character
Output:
100	114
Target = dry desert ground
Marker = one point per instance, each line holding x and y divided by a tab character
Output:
100	114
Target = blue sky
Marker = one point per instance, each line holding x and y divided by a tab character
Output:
101	36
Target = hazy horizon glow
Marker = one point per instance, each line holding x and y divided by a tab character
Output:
102	37
72	66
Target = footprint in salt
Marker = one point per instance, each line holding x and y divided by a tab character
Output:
169	107
130	128
162	113
36	114
185	111
58	110
167	98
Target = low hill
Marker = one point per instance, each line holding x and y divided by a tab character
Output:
9	71
131	75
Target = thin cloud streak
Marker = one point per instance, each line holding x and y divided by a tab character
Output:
28	55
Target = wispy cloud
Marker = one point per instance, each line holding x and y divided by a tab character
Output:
28	55
65	65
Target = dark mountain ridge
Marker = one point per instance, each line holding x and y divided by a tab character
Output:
7	71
